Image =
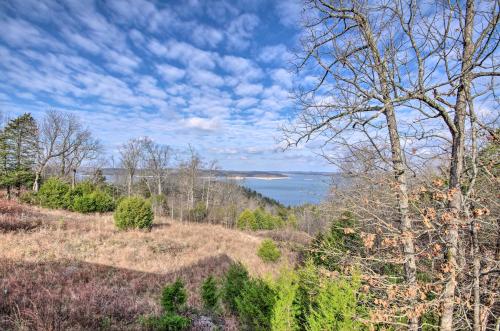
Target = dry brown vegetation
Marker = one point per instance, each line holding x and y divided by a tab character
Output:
77	271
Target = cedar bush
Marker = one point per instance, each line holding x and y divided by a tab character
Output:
96	201
210	294
268	251
133	212
173	300
235	280
259	219
80	190
341	237
52	193
286	310
246	220
173	297
255	305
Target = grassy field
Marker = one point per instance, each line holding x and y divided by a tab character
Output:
62	270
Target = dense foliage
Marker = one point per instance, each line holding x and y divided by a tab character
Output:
259	219
18	152
235	280
173	300
210	294
133	212
255	305
53	194
268	251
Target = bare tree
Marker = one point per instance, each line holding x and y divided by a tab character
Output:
130	157
156	162
428	62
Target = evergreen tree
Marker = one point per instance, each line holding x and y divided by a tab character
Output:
18	150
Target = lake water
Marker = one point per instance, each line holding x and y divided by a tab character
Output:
295	190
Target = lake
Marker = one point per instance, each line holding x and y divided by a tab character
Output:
295	190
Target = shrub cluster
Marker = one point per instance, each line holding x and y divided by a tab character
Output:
134	212
173	300
259	219
84	198
268	251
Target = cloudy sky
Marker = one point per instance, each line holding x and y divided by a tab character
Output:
214	74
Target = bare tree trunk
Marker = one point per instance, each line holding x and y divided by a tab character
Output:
36	183
398	165
456	170
73	179
405	223
130	176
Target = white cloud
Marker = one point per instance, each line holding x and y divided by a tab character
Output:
240	30
204	35
202	123
246	89
277	53
170	73
289	12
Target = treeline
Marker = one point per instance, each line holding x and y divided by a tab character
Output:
46	158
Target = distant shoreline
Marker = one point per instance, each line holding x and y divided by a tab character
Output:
258	177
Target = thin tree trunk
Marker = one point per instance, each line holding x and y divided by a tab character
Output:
130	176
456	170
398	164
405	224
36	183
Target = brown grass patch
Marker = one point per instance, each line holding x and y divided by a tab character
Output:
76	295
16	217
77	271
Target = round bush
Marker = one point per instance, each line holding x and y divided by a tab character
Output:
52	193
134	212
268	251
246	219
80	190
96	201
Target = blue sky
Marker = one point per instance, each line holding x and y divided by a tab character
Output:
214	74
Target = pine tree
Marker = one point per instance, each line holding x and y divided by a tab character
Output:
18	151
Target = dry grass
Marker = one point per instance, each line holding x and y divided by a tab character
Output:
169	246
79	269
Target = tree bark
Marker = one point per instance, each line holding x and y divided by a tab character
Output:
456	171
398	165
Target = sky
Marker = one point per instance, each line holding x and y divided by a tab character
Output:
213	74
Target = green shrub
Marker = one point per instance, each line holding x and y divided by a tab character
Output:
52	193
268	251
307	291
166	322
337	306
285	310
173	297
246	219
210	294
96	201
133	212
255	305
328	248
172	300
236	278
198	213
80	190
